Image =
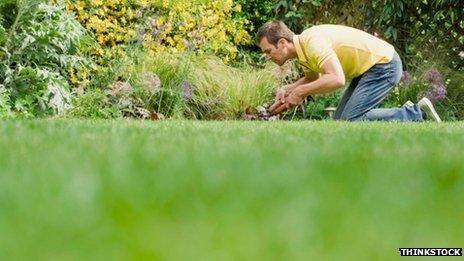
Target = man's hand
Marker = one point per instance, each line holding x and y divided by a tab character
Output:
293	99
280	96
279	100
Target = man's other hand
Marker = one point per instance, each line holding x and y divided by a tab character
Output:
280	96
290	101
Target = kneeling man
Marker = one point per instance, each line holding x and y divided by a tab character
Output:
330	54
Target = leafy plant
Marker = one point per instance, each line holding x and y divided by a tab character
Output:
39	44
94	104
186	85
5	107
315	108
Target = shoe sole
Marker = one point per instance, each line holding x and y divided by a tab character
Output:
427	106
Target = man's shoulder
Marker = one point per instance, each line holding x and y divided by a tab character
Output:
316	31
315	34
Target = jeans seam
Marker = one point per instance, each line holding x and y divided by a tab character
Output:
392	69
390	72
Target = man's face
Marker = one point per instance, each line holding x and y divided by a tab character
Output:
276	54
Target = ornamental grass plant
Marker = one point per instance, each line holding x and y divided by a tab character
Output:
185	85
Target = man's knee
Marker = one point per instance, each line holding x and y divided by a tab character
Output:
351	117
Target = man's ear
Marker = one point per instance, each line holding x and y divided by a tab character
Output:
282	42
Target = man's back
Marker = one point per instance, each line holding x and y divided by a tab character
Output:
357	50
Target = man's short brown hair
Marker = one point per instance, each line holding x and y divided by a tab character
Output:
274	31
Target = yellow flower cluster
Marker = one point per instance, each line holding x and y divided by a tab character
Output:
112	21
165	25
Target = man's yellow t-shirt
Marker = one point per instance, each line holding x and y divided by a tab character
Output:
357	50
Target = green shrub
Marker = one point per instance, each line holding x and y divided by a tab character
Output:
316	105
93	104
5	107
39	44
204	87
159	79
256	12
180	85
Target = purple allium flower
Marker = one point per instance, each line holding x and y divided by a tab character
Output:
436	92
433	75
406	78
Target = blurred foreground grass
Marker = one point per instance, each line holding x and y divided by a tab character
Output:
191	190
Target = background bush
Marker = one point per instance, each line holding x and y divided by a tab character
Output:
199	87
201	26
38	57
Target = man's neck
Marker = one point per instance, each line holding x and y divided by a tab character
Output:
292	54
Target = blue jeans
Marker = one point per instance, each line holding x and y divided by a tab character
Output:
361	98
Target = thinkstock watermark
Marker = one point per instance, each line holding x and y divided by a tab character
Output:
431	251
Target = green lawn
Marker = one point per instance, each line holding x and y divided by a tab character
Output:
190	190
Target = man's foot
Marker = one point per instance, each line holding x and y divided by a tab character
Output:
427	107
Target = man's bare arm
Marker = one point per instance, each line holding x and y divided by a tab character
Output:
332	79
287	89
310	77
